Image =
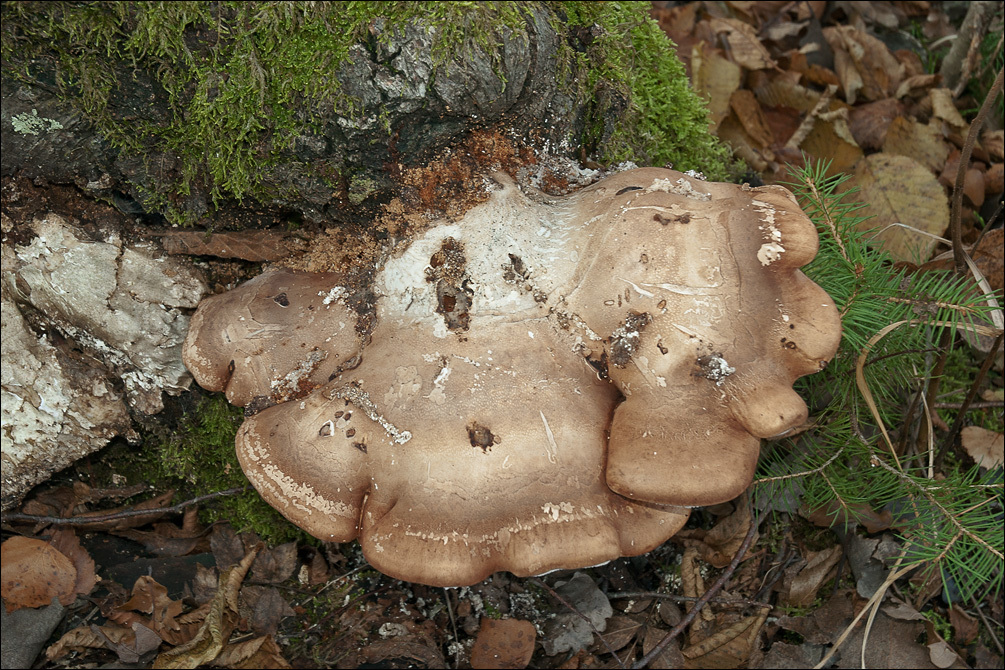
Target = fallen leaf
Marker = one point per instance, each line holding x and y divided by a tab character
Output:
863	63
275	565
260	652
986	447
868	123
143	642
729	647
833	514
993	142
568	631
151	598
622	629
670	656
751	116
153	504
34	572
923	143
503	643
267	608
944	108
965	627
66	542
807	582
899	192
745	47
218	625
90	637
831	140
714	78
718	545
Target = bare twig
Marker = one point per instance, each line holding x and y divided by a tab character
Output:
115	516
709	594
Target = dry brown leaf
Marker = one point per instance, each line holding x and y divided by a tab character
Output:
830	139
993	142
265	608
864	64
729	647
260	652
715	79
275	565
718	545
745	47
503	643
965	627
621	629
218	625
257	246
916	86
34	572
783	90
89	637
804	587
751	116
994	180
897	190
732	132
66	542
923	143
943	107
670	656
834	514
868	123
986	447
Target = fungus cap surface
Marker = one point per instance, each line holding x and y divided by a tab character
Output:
549	382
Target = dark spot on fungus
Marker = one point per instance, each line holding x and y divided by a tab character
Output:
326	429
644	258
257	404
624	341
453	295
627	189
663	349
230	366
339	414
481	436
282	300
714	368
683	218
359	445
351	432
348	415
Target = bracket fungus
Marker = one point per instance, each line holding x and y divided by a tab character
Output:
549	382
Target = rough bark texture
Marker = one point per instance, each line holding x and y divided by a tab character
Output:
129	126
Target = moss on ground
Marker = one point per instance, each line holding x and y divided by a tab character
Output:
261	71
198	458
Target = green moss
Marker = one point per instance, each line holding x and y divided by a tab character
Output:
261	71
632	62
199	458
